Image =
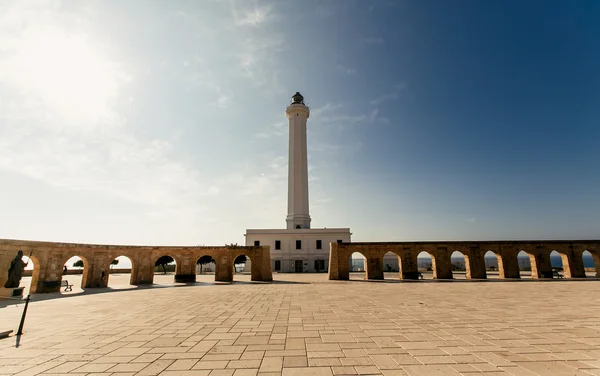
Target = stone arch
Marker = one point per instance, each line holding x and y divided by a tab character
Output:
494	263
459	262
558	260
594	263
392	263
570	261
357	266
31	274
258	257
526	261
202	263
86	275
426	264
123	262
236	268
157	265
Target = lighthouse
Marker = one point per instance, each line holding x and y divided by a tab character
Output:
297	113
297	248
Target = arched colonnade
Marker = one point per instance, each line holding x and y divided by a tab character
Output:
49	258
474	252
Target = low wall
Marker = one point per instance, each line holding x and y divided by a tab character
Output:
49	259
474	253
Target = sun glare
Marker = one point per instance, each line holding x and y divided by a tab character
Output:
67	74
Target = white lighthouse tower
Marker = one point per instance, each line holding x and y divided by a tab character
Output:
297	114
297	248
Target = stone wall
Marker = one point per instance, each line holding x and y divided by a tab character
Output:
506	252
49	258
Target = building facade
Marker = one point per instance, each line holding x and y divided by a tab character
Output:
298	248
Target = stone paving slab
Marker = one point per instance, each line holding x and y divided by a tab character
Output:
307	325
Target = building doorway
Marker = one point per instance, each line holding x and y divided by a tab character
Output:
298	266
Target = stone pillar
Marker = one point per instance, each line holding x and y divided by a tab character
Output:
475	264
185	270
508	263
6	257
142	270
95	273
334	267
540	265
344	256
265	265
442	266
256	266
339	256
573	263
409	267
223	266
374	266
50	275
596	257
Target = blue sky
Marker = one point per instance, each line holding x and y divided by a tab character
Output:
155	122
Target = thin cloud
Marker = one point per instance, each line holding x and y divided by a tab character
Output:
88	147
275	130
373	114
394	94
251	17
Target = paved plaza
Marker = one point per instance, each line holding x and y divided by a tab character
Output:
307	325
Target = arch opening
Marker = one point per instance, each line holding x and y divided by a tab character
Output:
558	263
75	272
493	264
357	263
525	261
205	268
391	265
239	268
205	265
459	265
591	263
426	264
164	270
120	273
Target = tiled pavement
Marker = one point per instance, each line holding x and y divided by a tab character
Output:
311	326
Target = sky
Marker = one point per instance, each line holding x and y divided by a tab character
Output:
163	122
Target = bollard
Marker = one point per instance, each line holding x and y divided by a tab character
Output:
20	331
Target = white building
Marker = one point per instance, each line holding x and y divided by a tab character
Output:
298	248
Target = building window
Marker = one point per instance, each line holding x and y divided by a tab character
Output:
277	265
257	243
298	226
277	244
339	241
298	244
319	244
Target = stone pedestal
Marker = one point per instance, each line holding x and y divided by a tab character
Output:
16	292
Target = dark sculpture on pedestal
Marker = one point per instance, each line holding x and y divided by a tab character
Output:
15	272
